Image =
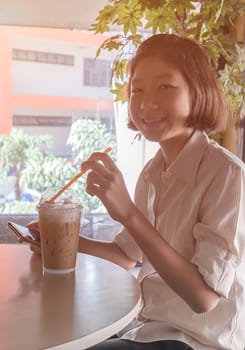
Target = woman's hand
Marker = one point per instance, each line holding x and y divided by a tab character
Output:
33	227
106	182
36	248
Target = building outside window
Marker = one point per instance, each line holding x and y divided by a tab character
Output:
42	57
50	84
96	72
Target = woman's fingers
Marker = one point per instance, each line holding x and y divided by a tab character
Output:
105	159
34	228
98	180
96	159
106	182
97	168
103	173
20	240
35	249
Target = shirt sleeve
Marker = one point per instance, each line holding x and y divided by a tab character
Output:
128	245
220	234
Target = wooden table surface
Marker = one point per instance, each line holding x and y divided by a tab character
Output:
70	311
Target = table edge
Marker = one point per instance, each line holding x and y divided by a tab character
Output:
101	334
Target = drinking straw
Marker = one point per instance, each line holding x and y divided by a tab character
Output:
52	199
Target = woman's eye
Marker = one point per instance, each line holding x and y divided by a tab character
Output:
165	87
136	90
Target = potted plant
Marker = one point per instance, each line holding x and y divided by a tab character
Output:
217	25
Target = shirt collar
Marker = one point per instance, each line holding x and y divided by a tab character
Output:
185	165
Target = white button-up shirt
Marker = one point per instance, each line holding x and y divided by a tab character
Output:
198	207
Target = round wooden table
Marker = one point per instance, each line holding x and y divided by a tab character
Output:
70	311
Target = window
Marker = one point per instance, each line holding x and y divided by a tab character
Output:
42	57
96	72
47	100
39	120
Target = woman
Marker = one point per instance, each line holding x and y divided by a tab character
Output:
186	224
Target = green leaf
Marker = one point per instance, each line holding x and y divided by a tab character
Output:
120	92
120	68
106	15
129	15
210	23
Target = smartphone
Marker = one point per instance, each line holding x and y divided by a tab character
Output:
23	233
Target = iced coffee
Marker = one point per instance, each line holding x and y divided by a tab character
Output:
59	232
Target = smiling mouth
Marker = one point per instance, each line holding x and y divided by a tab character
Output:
153	121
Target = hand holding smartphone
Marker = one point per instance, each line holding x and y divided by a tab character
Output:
24	234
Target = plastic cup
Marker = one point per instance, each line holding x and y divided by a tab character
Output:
59	230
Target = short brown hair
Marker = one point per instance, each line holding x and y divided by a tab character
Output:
208	105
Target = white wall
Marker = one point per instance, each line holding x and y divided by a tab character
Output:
50	79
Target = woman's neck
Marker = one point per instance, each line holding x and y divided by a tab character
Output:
172	147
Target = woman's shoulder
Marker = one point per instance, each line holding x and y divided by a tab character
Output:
220	157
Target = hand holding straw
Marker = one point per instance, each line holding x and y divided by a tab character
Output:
51	200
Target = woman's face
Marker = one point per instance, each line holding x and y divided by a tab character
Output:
159	103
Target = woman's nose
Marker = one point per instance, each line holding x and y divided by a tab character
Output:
149	104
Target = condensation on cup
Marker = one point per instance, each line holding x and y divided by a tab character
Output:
59	230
